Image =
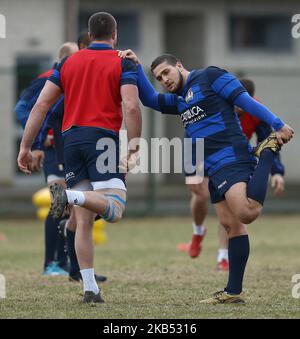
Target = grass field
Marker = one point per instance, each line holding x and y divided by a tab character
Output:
148	278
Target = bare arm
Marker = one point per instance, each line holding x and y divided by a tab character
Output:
49	95
132	117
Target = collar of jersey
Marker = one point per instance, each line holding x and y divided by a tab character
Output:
185	87
100	46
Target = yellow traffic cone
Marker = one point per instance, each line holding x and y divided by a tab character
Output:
42	213
99	235
100	238
42	198
99	224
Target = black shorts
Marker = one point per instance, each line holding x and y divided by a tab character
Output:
84	161
51	166
222	180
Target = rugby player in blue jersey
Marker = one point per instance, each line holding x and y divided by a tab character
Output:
250	126
44	158
205	100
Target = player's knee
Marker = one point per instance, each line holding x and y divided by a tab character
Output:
255	213
201	199
114	211
199	193
247	217
195	188
117	217
225	222
71	225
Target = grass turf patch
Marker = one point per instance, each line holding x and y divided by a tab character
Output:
148	277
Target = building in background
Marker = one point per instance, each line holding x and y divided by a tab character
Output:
251	39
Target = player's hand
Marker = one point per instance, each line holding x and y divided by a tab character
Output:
285	134
128	163
129	54
277	183
37	159
25	161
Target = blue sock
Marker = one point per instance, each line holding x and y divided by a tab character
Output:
51	238
74	266
62	256
258	184
238	253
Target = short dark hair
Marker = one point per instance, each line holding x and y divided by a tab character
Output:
83	38
169	58
249	86
102	25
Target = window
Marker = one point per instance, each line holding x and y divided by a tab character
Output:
128	28
266	33
29	68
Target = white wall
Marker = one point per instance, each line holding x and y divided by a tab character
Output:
41	21
281	94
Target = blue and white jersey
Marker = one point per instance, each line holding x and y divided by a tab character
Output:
206	107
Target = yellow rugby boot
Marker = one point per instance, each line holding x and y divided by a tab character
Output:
223	297
270	142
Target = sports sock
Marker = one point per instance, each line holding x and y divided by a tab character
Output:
75	197
238	253
222	254
258	184
74	266
198	229
89	282
51	238
62	256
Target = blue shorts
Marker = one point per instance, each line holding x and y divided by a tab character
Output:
85	160
51	166
222	180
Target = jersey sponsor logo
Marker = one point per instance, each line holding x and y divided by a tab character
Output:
189	96
192	115
221	185
70	175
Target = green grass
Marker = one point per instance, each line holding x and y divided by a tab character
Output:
148	278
